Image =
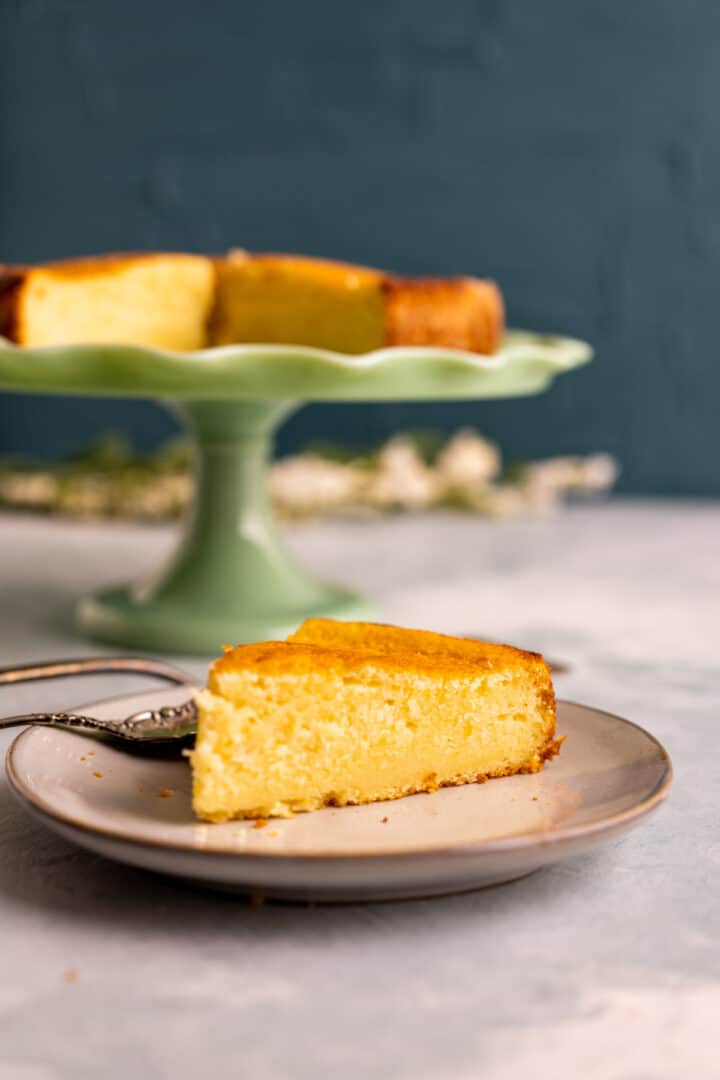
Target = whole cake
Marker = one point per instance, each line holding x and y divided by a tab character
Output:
186	302
355	713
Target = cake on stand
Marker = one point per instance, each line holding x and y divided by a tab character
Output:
232	579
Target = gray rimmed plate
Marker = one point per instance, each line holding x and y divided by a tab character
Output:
610	775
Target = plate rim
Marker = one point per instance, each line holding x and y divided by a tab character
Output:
562	350
557	836
525	362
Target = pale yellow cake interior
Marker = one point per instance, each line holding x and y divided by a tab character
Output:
286	727
161	301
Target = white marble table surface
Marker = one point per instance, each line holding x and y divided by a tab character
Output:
604	968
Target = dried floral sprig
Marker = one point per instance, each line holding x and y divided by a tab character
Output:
410	472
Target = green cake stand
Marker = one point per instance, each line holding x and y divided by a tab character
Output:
232	578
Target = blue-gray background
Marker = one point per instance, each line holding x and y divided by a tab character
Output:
571	150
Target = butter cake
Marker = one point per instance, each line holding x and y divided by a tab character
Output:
186	302
361	714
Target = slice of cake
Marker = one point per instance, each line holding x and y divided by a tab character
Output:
295	300
157	300
290	726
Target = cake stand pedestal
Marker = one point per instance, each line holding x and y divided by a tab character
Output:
232	579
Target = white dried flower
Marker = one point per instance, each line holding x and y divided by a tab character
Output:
86	496
403	480
307	484
155	497
599	473
499	500
29	490
468	463
562	475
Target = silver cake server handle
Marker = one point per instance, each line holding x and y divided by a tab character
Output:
166	724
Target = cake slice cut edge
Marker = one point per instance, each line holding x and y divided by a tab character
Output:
155	299
294	726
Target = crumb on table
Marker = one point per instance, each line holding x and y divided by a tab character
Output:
99	775
384	821
166	792
260	823
71	975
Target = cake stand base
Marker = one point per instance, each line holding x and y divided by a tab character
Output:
232	579
115	616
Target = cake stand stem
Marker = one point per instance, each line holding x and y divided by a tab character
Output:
232	578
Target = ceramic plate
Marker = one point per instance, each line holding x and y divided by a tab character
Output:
610	775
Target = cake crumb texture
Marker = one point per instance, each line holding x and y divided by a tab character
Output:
156	300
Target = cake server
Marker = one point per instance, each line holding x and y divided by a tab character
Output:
166	724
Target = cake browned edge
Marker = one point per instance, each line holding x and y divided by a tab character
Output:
473	318
11	282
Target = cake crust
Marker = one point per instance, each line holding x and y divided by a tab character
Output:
458	313
11	279
293	657
385	638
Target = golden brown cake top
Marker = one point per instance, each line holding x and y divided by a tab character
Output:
272	658
324	271
88	266
330	645
425	643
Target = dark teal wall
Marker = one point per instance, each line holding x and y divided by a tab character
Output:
571	149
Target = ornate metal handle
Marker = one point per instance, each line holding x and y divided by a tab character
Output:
150	725
168	724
